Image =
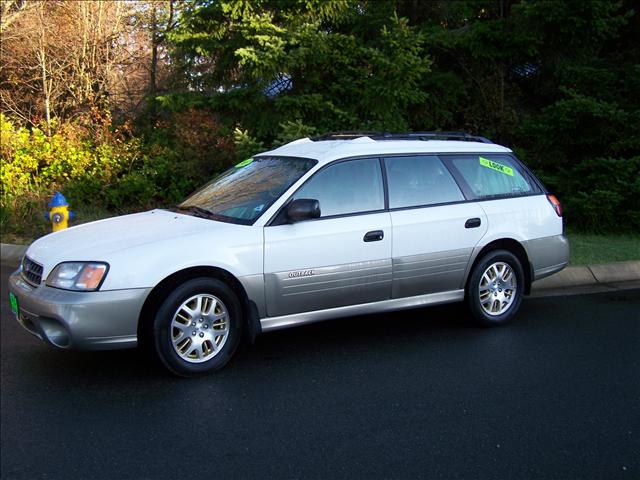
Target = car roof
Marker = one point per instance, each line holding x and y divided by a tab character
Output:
328	150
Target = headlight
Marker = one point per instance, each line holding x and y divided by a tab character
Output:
81	276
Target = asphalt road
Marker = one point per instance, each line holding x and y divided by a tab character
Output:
407	395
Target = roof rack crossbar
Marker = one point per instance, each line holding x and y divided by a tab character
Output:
346	135
353	134
439	135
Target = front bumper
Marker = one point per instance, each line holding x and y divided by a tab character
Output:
100	320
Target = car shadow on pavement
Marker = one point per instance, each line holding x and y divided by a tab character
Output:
363	334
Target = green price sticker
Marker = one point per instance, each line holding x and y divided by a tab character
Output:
244	163
14	303
498	167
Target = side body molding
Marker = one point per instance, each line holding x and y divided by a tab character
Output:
285	321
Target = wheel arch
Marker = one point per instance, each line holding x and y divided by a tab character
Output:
513	246
161	290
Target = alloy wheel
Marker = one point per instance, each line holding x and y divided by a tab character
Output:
497	288
199	328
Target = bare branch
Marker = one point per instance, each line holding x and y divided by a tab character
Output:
11	10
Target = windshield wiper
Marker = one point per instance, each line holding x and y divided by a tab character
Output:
198	212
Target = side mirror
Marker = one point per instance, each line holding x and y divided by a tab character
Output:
303	209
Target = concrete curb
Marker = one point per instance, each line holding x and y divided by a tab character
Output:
591	275
616	272
569	277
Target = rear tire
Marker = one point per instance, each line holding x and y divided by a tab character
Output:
197	327
495	287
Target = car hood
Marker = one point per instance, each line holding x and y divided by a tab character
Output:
95	240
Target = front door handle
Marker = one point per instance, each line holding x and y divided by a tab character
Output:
472	223
373	236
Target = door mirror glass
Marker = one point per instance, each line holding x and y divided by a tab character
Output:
303	209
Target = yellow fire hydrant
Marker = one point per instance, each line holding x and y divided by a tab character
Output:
59	213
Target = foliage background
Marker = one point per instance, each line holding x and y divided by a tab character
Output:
180	90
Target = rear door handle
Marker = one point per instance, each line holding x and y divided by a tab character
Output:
472	223
373	236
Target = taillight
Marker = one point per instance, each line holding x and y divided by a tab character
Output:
555	203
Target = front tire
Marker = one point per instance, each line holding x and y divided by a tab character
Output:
197	327
494	290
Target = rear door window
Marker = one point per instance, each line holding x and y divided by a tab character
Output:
490	176
419	181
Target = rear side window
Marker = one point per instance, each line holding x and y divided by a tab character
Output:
354	186
488	175
419	180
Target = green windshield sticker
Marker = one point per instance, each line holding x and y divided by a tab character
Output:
244	163
498	167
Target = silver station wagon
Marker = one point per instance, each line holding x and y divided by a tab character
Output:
338	225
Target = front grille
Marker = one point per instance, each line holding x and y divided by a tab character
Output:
31	271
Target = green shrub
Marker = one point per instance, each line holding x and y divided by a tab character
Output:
603	194
293	130
100	168
246	145
84	163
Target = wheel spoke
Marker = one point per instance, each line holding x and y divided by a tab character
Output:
183	345
183	317
503	271
507	275
190	312
217	317
179	337
211	307
180	326
495	271
217	333
199	304
219	322
193	350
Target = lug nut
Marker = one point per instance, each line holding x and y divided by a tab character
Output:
206	326
201	334
193	324
193	333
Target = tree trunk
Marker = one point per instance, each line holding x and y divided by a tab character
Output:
46	83
154	51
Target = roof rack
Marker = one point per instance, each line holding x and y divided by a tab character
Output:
347	135
350	135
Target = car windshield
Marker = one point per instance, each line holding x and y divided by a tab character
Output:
244	192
